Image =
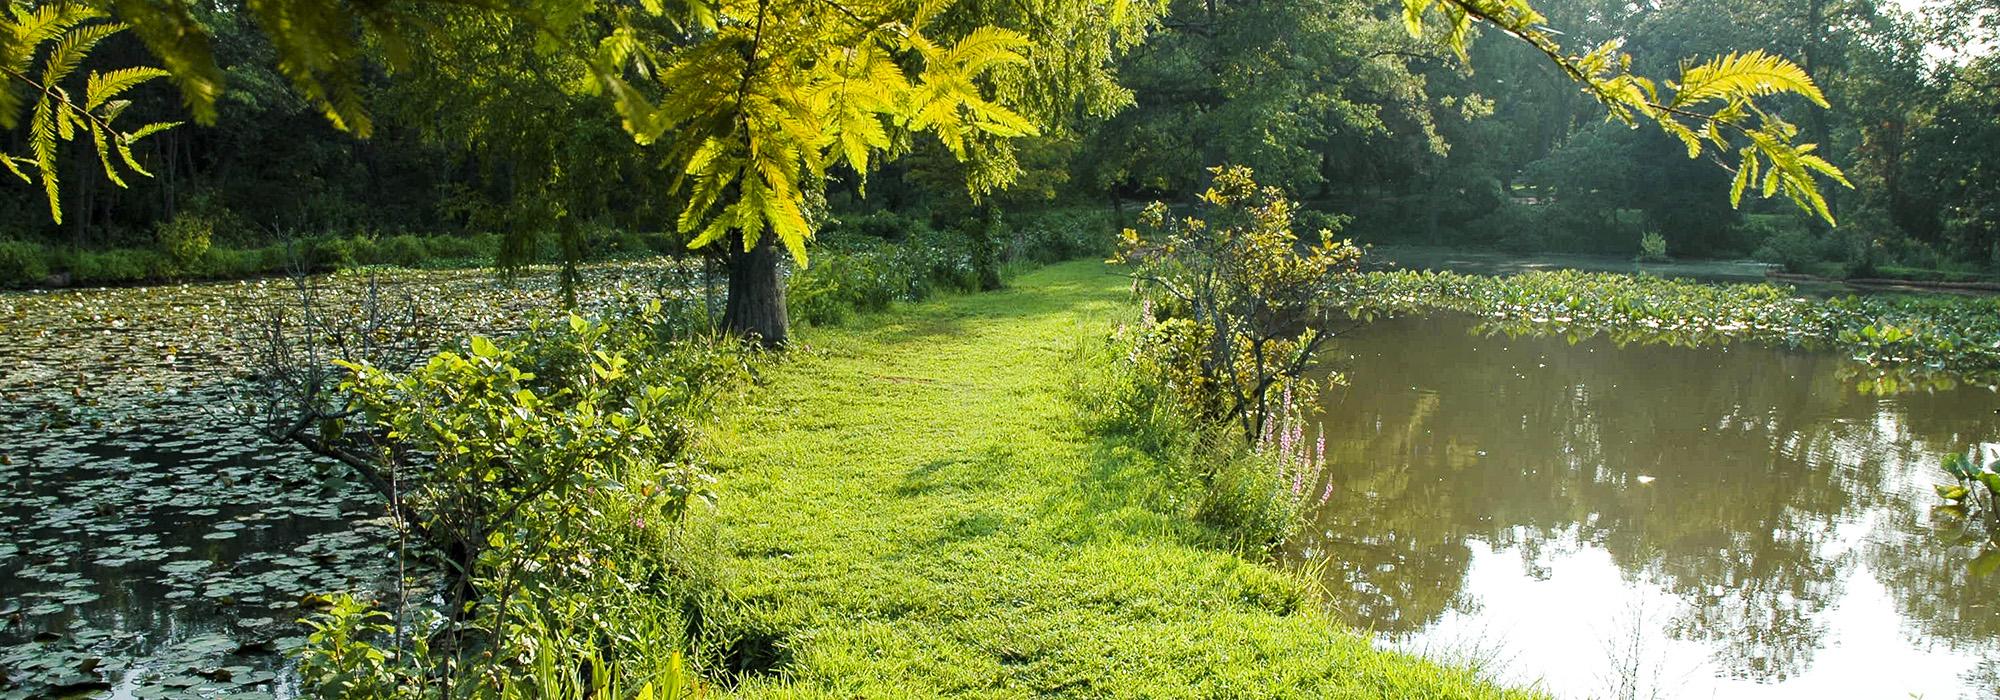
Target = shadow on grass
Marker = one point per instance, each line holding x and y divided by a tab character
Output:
958	472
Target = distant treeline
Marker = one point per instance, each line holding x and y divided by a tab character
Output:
1329	99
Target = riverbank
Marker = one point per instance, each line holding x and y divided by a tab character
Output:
1888	279
914	512
1901	339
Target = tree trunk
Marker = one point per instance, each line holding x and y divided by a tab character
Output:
985	256
756	306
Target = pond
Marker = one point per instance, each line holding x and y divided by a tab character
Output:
156	546
1730	522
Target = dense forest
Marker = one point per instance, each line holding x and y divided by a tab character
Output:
470	145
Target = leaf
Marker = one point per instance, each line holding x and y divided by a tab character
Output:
1744	171
481	347
1950	492
1740	76
1957	465
104	86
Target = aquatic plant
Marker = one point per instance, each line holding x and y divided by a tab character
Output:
1956	337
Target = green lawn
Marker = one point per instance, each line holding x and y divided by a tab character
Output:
912	511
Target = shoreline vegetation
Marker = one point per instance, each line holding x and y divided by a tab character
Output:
958	494
967	494
919	506
1925	339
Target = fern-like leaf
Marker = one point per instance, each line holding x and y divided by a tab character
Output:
1740	76
107	85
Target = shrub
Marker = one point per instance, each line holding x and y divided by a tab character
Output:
558	470
1236	309
1062	234
229	262
23	264
885	225
1793	248
405	250
982	235
862	278
329	253
118	266
1652	247
1248	306
1252	496
185	239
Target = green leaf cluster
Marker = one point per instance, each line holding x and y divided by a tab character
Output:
772	93
61	35
1247	304
1719	104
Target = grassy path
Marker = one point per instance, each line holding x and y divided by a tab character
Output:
912	514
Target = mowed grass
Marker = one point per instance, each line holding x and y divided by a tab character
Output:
913	511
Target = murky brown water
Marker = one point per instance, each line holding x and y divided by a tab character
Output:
1653	522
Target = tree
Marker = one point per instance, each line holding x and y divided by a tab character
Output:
769	94
756	101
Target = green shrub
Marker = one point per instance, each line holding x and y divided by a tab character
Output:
23	264
119	266
559	473
185	239
328	253
866	278
1061	234
1238	500
405	250
1794	248
884	225
229	263
1652	247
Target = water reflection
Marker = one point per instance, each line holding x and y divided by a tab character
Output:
1773	523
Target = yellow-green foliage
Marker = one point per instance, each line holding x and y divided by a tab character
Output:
1712	105
774	92
1246	302
62	35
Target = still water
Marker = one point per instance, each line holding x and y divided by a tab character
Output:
1731	522
152	543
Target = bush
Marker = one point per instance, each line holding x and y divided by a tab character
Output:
1237	309
119	266
1795	249
1247	303
1062	234
559	472
404	250
329	253
228	262
23	264
863	278
1652	247
1250	496
884	225
185	239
